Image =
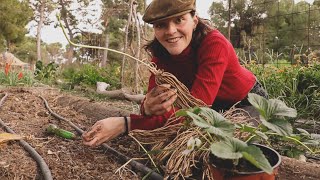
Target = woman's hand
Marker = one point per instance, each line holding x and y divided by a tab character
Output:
159	100
104	130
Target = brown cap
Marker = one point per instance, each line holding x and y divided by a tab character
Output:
164	9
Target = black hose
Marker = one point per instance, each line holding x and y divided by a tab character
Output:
34	154
135	164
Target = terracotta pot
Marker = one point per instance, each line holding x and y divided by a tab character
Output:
227	174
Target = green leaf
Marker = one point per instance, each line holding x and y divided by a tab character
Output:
270	108
262	135
181	113
220	125
246	128
211	115
253	130
254	155
210	120
293	152
280	126
260	103
198	121
315	136
279	108
228	149
220	131
196	110
311	142
303	132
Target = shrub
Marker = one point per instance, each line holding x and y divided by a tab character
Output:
90	75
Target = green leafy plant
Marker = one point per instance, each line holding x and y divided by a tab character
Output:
45	72
218	134
89	75
296	85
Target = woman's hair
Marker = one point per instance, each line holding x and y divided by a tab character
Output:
202	29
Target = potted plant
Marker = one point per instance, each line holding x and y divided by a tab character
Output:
234	155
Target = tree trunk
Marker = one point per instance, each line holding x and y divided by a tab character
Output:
126	43
105	52
70	50
229	21
40	23
145	24
136	64
122	94
8	45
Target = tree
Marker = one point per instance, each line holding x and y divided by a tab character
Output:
42	9
112	22
245	16
14	16
71	18
26	50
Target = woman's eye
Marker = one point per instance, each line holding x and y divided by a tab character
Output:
158	26
179	20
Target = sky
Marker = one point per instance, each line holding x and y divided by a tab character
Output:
50	34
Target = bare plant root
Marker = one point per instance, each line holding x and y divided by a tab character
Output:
171	142
185	99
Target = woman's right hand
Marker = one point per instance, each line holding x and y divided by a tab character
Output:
159	100
104	130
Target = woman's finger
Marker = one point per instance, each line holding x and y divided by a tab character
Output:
159	89
92	142
89	135
166	95
167	105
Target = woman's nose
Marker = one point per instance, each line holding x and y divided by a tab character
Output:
171	28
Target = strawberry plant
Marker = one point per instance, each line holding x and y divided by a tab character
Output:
219	137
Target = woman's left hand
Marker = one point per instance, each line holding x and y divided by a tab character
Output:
104	130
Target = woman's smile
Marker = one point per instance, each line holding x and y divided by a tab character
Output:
173	40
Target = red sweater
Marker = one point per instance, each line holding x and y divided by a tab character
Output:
210	72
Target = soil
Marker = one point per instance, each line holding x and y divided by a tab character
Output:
24	112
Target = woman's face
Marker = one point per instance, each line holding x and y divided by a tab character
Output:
175	34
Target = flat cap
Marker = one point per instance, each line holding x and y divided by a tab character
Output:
163	9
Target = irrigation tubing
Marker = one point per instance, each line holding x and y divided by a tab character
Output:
34	154
135	164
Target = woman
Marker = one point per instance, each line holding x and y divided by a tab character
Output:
199	56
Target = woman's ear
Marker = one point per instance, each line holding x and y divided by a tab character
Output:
196	21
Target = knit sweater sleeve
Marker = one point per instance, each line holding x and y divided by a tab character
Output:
212	60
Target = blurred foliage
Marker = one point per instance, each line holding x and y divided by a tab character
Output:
298	86
88	74
46	73
14	16
263	28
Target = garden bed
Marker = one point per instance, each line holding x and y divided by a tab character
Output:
25	113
